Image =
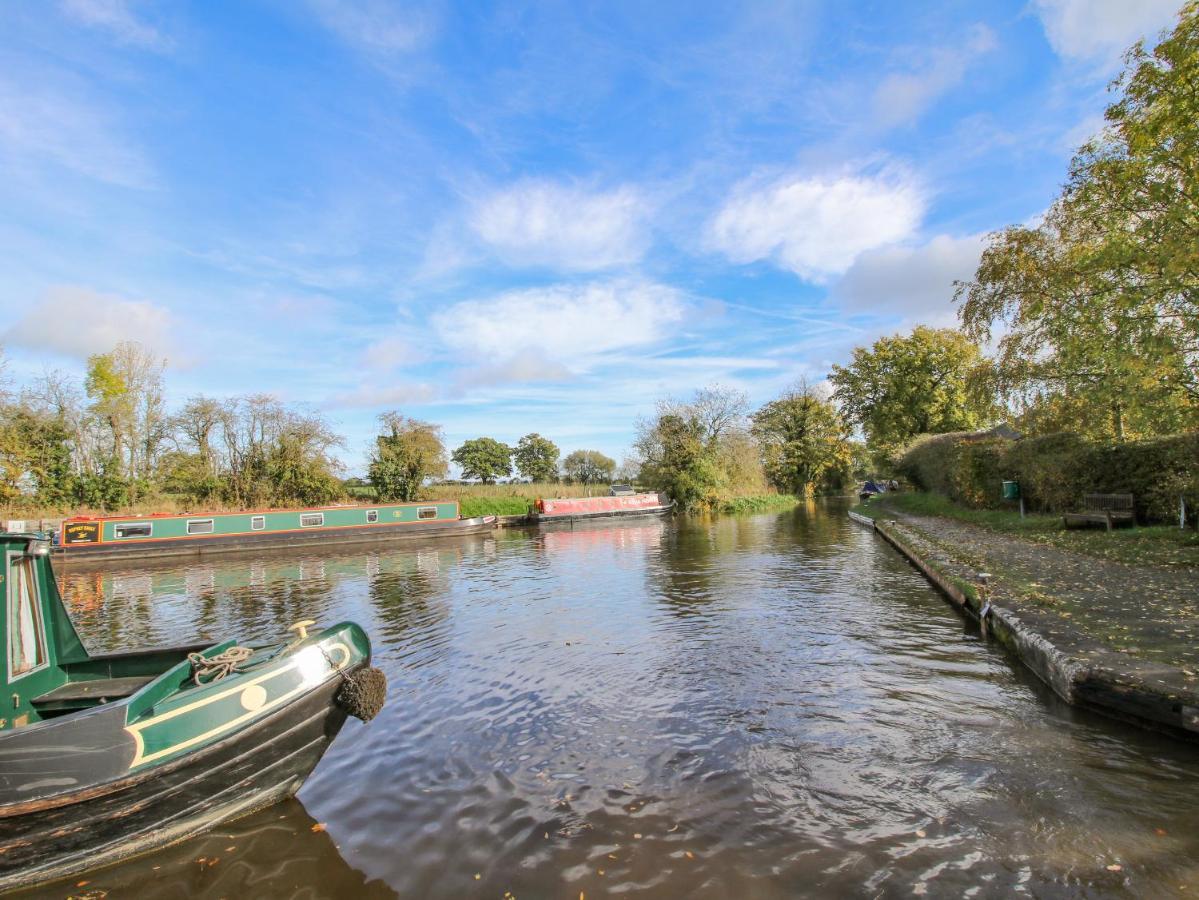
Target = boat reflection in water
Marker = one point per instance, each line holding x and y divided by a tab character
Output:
277	852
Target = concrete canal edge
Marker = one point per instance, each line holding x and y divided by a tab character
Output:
1081	671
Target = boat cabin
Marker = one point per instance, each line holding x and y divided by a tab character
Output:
47	671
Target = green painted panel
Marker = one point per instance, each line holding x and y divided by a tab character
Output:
162	527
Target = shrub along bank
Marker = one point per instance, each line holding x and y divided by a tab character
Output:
1056	470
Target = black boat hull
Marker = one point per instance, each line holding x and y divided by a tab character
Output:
253	768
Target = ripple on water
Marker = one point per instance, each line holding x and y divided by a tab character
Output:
764	706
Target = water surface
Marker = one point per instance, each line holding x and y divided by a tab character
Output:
749	707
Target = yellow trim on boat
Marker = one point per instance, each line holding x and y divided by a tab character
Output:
141	757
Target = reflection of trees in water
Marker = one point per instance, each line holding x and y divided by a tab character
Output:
706	558
408	595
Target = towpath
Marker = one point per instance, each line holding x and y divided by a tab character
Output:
1123	639
1148	612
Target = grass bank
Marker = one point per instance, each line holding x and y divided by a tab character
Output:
1154	545
757	503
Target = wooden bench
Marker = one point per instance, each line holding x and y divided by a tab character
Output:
1103	509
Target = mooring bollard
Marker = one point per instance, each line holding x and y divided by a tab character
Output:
985	599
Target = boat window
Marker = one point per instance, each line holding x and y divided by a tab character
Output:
311	520
134	530
427	512
26	639
257	523
200	526
372	515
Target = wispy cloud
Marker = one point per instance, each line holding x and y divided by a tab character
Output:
1101	30
376	26
817	225
376	396
903	96
118	19
48	120
562	226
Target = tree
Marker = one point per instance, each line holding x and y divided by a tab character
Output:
928	382
803	439
1097	309
588	467
125	387
676	460
406	454
695	450
536	458
484	458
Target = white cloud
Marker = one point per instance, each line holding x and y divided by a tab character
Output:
115	17
560	326
374	25
816	226
542	223
1102	29
78	321
913	282
902	97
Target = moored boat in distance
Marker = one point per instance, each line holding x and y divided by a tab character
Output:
172	534
569	509
108	755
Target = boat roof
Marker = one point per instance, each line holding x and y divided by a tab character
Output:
247	512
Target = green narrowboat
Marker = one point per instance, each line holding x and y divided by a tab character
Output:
193	533
107	755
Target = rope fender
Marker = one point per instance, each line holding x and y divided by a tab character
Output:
363	693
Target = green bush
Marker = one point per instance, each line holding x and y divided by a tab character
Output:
1056	470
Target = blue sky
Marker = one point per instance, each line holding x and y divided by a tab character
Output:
508	218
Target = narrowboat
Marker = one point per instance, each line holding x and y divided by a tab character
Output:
106	755
571	509
194	533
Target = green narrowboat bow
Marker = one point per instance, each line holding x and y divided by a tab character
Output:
194	533
104	756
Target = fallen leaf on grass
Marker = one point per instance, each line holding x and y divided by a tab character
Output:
1115	867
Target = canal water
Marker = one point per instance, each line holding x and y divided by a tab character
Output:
746	707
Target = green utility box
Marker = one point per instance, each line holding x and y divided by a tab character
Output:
1011	490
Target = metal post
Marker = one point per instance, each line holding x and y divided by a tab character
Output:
1021	506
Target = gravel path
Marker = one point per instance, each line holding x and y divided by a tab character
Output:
1148	613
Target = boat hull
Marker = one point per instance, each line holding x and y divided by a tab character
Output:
543	519
252	768
265	540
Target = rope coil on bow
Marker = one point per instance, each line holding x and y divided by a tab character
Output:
207	669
